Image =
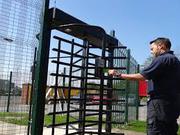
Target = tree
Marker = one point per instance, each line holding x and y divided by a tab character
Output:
147	62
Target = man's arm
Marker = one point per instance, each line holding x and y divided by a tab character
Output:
137	76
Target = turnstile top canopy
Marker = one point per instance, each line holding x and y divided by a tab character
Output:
77	28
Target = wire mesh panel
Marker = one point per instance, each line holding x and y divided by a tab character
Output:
133	95
19	26
120	85
128	92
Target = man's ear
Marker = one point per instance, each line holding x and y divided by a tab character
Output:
162	46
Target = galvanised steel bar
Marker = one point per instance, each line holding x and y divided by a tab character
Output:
110	91
56	89
63	89
67	41
41	74
83	75
109	94
102	85
86	43
69	89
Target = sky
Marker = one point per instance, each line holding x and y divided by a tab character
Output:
136	22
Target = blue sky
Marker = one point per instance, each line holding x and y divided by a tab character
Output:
136	22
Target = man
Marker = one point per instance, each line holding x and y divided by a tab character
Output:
164	72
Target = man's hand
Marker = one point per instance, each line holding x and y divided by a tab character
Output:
114	72
136	76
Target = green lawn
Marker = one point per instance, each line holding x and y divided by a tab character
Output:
14	118
22	119
139	126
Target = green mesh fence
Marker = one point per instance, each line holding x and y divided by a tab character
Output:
19	25
133	97
129	89
120	84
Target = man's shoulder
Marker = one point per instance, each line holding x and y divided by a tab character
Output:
167	58
158	59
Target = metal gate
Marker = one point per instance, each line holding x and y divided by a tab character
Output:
87	63
81	91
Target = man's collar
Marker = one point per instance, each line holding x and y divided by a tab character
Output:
169	51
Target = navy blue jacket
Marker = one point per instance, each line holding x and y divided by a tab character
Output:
164	71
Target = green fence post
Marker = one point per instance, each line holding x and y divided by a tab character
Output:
127	84
32	89
9	91
137	95
41	74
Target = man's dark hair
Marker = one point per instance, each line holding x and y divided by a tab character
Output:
162	40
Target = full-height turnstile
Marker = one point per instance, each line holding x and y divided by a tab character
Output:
86	67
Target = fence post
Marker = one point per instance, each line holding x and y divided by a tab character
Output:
127	84
32	90
41	74
110	92
9	91
137	95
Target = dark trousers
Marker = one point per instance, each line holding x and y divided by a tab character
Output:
162	117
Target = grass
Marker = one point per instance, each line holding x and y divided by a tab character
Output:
22	119
62	119
138	126
14	118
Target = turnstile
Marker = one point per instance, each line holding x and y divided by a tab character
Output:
89	98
